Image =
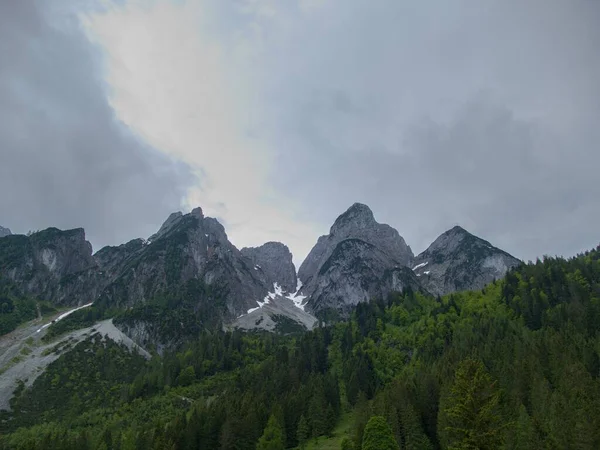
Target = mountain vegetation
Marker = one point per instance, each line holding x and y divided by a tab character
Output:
17	308
515	365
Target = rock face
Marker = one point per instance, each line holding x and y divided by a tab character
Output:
112	260
275	260
186	247
53	265
4	232
356	223
359	259
458	260
190	256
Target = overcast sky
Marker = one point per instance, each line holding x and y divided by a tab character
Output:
275	116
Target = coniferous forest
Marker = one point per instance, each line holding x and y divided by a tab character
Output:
514	366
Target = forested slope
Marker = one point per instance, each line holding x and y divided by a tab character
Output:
514	366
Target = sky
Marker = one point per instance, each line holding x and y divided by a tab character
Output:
275	116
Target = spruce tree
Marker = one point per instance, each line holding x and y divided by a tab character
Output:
272	438
469	416
412	431
303	432
318	419
378	435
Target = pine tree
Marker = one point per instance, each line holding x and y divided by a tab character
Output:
330	420
522	435
317	410
303	432
272	438
378	435
412	431
469	417
362	413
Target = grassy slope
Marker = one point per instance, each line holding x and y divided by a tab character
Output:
343	429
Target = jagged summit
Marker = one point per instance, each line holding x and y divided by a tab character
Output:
171	221
358	215
4	232
348	265
450	239
174	219
357	222
51	264
458	260
197	211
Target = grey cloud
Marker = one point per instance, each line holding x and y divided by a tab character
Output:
65	160
484	115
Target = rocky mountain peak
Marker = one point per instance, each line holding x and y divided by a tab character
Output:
274	259
357	222
458	260
348	265
4	232
171	222
449	240
176	220
197	212
52	264
358	216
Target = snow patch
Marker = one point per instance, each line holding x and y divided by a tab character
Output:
427	272
62	316
420	265
277	291
297	299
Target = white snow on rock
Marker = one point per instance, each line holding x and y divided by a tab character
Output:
420	265
270	296
62	316
427	272
297	299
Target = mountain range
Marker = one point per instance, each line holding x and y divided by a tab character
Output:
250	288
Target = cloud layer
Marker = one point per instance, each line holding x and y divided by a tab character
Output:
434	113
66	159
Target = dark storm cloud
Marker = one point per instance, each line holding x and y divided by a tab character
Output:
65	160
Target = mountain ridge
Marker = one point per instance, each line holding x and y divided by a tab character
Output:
358	260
